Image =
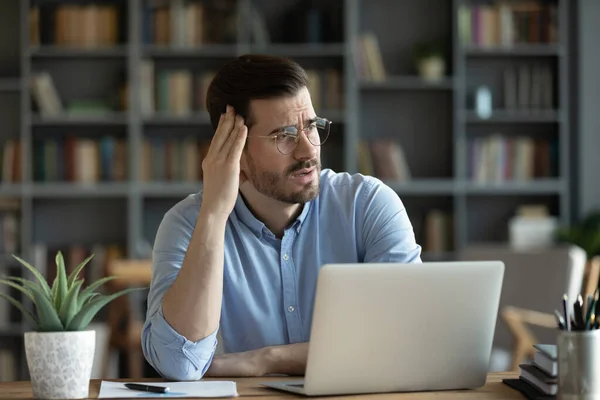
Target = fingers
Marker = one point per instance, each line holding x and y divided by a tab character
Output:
226	149
238	145
224	130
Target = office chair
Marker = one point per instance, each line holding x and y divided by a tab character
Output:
519	320
534	283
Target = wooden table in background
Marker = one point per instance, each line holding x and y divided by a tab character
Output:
250	387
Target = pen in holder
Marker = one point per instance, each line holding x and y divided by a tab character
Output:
578	348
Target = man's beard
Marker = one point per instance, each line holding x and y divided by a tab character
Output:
273	185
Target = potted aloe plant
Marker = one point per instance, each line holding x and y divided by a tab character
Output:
60	350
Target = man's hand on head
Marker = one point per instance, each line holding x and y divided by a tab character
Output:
221	169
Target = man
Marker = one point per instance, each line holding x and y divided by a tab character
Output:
241	258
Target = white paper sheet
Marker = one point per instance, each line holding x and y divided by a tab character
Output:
110	389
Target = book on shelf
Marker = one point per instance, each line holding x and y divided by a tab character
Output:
505	24
326	89
173	159
50	104
182	92
89	25
45	95
80	159
181	23
10	232
11	161
528	87
176	92
437	234
383	158
368	60
501	158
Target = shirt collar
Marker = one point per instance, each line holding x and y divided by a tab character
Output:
257	227
300	220
245	215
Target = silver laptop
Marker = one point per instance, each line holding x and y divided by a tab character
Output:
400	327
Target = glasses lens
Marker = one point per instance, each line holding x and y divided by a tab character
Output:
285	143
318	132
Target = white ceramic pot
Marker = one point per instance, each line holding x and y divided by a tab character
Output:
432	69
60	363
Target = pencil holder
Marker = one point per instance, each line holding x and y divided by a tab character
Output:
578	365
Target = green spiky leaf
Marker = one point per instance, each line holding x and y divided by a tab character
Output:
47	316
92	297
37	274
54	288
61	276
20	288
77	270
87	312
21	308
28	284
70	306
89	291
64	305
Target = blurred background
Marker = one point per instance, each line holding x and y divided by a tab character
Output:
482	115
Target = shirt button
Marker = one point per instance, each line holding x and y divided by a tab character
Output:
291	308
286	257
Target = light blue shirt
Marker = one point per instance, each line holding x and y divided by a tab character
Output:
269	283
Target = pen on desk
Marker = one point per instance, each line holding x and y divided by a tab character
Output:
147	388
566	312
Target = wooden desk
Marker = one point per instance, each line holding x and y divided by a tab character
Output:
250	387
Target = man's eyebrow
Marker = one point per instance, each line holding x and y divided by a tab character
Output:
307	122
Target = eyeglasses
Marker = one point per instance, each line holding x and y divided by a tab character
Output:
286	139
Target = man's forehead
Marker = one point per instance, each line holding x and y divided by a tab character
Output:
283	110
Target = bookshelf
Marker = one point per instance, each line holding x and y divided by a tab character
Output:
112	102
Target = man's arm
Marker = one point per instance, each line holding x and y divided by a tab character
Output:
386	232
179	336
192	305
173	355
287	359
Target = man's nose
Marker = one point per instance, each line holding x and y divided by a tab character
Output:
305	149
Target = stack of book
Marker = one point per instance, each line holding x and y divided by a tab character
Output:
542	372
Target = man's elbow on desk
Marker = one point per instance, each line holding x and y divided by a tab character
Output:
176	365
173	356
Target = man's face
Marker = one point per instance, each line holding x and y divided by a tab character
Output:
291	178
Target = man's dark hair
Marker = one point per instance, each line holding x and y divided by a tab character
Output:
249	77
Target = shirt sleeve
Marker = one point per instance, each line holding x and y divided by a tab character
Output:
172	355
387	232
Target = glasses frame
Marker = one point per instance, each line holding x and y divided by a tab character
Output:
273	136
